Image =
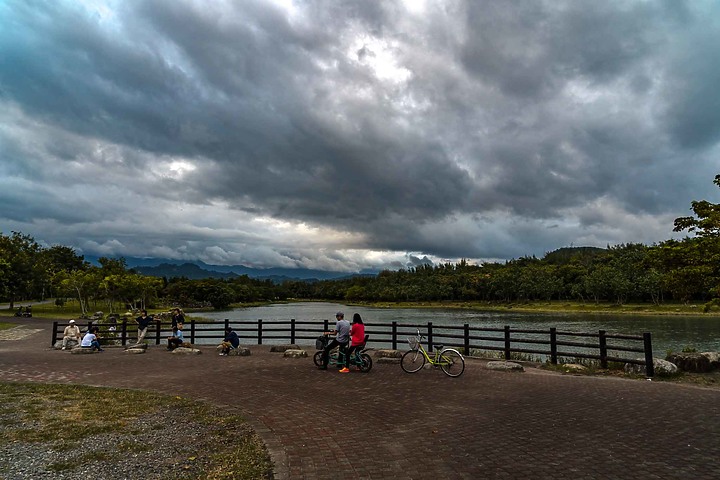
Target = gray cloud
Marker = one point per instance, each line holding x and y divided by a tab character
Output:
352	135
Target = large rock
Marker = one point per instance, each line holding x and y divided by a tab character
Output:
714	358
660	366
690	362
240	352
573	368
82	351
295	353
70	344
186	351
505	366
387	353
135	350
283	348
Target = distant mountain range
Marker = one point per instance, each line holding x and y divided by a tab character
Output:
159	267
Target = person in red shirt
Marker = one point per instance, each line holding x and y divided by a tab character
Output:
357	336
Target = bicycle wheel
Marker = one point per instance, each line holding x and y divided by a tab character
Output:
452	363
412	361
366	364
317	358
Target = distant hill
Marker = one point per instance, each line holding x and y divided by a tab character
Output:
156	267
565	255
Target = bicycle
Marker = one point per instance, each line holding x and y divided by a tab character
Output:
448	359
359	358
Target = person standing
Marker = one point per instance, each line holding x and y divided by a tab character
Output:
342	336
357	336
178	318
143	321
71	333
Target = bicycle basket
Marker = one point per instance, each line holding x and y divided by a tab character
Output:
321	342
414	344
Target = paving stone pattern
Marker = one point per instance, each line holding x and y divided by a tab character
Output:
389	424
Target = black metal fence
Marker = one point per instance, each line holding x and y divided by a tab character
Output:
551	343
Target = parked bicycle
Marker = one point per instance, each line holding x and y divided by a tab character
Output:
448	359
359	358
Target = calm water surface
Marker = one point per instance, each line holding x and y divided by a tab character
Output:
669	332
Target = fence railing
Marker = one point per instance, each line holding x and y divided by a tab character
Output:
551	343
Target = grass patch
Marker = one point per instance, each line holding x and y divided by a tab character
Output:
101	425
7	326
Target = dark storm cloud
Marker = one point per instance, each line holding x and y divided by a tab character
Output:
462	129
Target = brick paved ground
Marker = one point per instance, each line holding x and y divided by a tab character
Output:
485	424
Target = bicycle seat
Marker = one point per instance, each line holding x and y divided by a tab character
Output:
438	347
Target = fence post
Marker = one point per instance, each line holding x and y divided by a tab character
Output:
394	335
123	333
430	337
54	334
227	323
157	332
603	349
259	331
553	345
292	331
507	342
649	365
192	331
467	339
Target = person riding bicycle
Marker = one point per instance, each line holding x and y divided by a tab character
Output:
357	336
342	335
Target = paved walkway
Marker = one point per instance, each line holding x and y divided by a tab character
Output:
389	424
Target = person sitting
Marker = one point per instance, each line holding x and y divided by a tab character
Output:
342	335
357	336
231	341
178	318
71	334
177	339
90	340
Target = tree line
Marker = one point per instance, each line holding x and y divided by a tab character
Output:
675	270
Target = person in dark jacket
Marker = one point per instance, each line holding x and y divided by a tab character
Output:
230	341
143	321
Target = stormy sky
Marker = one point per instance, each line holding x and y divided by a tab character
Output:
346	135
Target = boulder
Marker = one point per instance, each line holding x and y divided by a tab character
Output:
135	350
690	362
387	360
573	368
137	346
505	366
714	358
240	352
295	353
82	351
661	367
186	351
70	344
385	353
283	348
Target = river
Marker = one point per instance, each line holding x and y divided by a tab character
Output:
669	332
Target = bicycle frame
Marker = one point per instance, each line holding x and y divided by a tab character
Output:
449	360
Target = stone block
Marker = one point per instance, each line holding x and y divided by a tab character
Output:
135	350
186	351
240	352
386	353
505	366
295	353
283	348
82	351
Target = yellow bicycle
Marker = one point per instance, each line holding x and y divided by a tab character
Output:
448	359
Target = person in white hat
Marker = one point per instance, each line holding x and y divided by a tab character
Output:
71	332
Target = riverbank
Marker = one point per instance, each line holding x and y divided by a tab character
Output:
560	307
